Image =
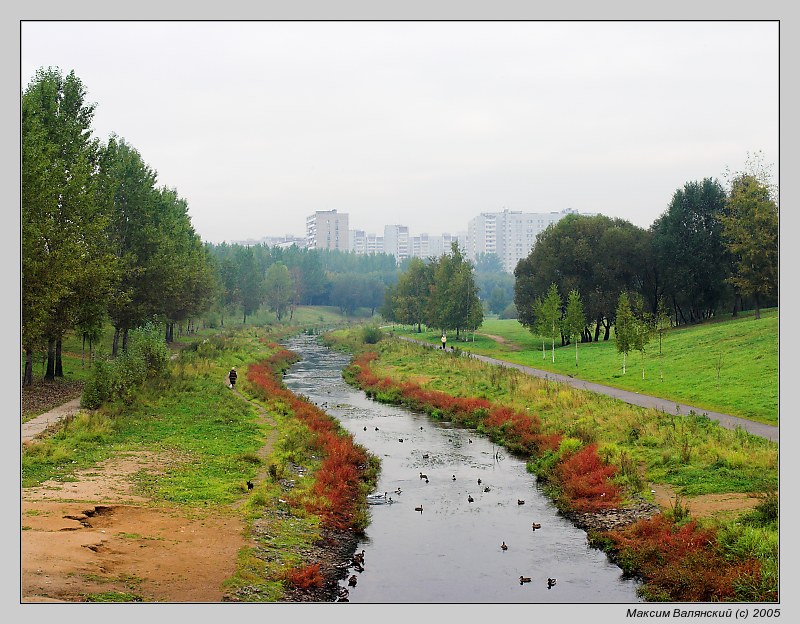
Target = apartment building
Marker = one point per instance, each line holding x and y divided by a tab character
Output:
509	234
327	229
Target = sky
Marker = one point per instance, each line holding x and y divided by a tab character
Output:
422	123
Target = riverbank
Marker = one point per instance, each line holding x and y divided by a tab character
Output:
570	436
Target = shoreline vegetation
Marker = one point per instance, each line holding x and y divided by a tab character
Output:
597	458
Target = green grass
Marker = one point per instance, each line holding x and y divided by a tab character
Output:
689	371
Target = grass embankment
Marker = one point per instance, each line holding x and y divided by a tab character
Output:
209	443
78	355
594	453
729	365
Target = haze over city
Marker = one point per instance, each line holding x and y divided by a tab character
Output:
427	124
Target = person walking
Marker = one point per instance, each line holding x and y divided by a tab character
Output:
232	377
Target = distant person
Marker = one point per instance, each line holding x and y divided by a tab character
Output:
232	377
444	342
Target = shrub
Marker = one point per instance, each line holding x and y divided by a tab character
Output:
371	334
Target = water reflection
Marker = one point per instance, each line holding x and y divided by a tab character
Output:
450	551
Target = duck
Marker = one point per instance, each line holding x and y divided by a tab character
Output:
536	525
358	567
479	482
469	498
376	429
365	427
418	508
400	439
520	501
425	456
359	558
486	489
343	594
420	428
423	476
524	579
426	480
352	580
454	477
398	491
250	485
550	582
470	440
503	546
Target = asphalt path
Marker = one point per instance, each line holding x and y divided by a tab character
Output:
771	432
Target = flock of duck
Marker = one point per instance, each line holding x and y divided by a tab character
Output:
358	559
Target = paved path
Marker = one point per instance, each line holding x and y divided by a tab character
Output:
771	432
37	426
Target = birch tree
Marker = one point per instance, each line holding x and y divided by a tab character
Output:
575	319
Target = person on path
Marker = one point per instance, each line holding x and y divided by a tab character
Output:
232	377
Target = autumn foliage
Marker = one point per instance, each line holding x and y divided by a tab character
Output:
681	562
305	577
339	478
586	482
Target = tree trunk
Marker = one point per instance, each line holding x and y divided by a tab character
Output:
576	353
50	373
607	334
83	348
59	364
115	342
758	306
125	340
27	377
597	324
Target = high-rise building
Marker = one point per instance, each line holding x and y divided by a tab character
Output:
510	235
327	229
396	242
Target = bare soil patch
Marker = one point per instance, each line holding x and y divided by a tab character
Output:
94	535
705	505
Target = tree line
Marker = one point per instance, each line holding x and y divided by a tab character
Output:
101	240
281	279
710	250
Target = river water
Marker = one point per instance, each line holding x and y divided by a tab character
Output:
450	552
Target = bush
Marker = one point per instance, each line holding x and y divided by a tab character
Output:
147	356
371	334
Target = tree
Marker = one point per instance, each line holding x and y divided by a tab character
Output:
661	322
574	319
551	315
750	229
453	294
690	253
625	328
278	289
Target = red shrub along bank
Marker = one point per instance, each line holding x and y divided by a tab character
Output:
681	562
586	482
338	481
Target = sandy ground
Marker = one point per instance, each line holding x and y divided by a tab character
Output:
93	536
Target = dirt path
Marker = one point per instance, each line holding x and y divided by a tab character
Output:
95	535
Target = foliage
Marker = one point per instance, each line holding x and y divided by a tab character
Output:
750	230
123	376
689	252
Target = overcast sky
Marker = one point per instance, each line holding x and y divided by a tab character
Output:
425	124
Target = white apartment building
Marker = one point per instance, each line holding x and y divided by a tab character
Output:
327	229
363	243
511	235
397	242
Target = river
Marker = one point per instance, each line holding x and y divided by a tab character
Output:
451	551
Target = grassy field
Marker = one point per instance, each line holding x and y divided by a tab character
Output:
729	365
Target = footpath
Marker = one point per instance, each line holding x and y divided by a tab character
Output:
37	426
770	432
